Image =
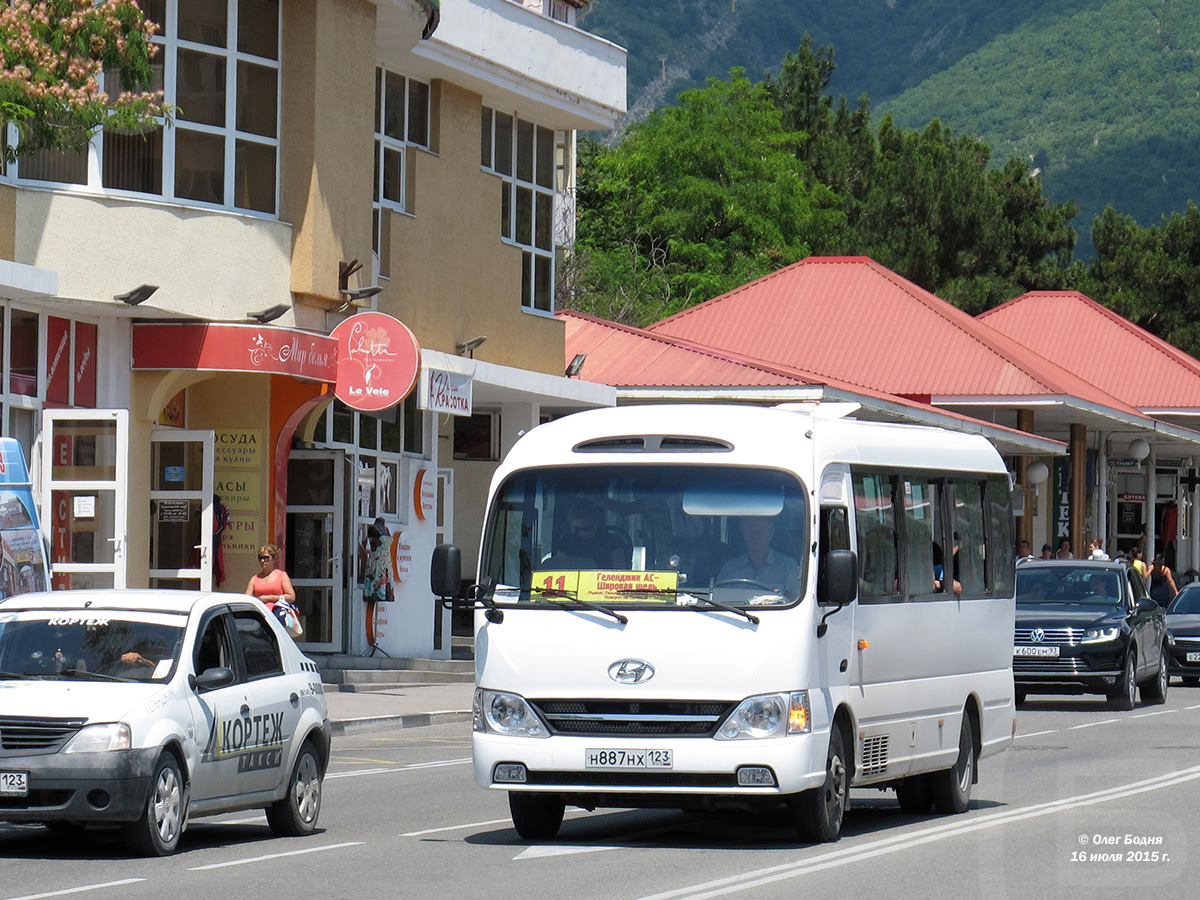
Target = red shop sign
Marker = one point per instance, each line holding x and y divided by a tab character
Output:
228	347
378	360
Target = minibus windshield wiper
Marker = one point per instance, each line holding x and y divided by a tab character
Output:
100	676
22	676
564	597
707	598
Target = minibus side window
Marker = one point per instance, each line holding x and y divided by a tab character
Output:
878	539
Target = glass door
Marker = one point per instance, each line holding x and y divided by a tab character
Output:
85	470
315	544
181	509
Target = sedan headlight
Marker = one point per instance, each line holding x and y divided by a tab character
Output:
99	738
1096	635
502	713
767	716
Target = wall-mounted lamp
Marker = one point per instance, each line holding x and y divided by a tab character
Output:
1139	448
137	295
345	270
1036	472
362	293
270	314
576	365
469	346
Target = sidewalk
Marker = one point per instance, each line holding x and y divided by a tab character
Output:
404	706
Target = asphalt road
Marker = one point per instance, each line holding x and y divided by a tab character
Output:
1088	803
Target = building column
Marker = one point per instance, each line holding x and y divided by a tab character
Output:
1151	496
1100	525
1078	487
1025	522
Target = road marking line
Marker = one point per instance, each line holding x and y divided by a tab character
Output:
835	858
80	889
409	768
1092	724
1157	712
455	827
265	857
1038	733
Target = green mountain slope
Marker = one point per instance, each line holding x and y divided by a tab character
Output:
1105	102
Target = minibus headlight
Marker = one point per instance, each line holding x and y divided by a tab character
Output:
99	738
766	716
503	713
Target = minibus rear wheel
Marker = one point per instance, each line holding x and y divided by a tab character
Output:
537	817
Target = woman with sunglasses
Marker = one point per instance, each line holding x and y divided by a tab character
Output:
270	585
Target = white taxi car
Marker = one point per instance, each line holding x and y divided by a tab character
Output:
147	708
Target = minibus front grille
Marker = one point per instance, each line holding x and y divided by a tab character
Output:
644	718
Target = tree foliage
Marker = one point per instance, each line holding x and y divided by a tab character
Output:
53	57
696	201
742	179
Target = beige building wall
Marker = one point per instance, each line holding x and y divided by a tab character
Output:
452	278
326	181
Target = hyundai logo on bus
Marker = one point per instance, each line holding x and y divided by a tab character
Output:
630	671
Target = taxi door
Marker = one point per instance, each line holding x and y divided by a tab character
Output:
271	709
214	770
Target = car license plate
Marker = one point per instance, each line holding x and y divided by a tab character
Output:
14	784
1193	657
628	759
1048	651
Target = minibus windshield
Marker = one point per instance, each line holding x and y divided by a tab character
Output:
655	535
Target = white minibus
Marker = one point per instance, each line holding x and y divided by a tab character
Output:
705	607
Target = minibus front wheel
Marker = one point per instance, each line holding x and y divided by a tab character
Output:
817	814
537	817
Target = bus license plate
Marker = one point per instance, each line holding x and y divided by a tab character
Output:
14	784
1035	651
628	759
1193	657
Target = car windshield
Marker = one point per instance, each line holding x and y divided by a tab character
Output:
89	644
1068	584
696	535
1187	602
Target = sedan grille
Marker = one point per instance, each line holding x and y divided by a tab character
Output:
26	734
1052	636
1068	665
645	718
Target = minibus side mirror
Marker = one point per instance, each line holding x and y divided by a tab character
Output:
837	582
445	574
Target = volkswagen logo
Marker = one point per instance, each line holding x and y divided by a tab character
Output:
630	671
1037	635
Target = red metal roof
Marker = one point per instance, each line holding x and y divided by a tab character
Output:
852	319
624	356
1111	352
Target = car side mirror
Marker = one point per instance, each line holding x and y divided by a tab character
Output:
210	679
837	582
1147	604
445	573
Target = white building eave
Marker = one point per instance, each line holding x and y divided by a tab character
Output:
495	384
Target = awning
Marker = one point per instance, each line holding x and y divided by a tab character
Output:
226	347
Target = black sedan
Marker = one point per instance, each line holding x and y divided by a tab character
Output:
1183	621
1087	627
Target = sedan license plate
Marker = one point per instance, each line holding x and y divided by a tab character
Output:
628	759
1193	657
14	784
1048	651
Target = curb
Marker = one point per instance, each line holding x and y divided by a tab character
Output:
409	720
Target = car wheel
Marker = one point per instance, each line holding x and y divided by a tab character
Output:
817	814
1155	690
951	788
156	832
296	814
537	817
1124	696
915	794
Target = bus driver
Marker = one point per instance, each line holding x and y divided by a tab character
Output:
762	565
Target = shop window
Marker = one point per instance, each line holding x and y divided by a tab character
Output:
477	437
